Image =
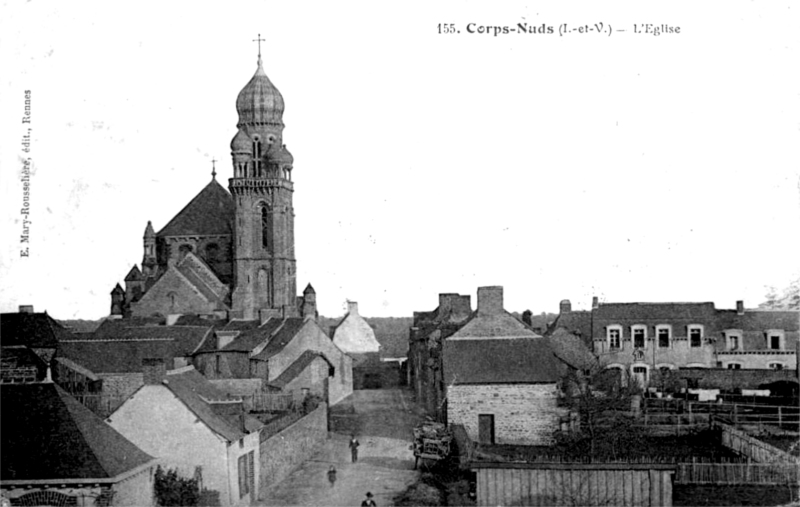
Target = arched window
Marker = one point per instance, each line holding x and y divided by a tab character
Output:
266	227
184	249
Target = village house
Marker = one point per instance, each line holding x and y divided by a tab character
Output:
648	340
501	378
353	334
182	419
57	452
114	354
290	353
426	336
30	342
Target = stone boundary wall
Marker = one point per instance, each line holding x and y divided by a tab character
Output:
283	452
752	448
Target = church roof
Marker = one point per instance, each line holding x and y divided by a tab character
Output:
210	213
48	435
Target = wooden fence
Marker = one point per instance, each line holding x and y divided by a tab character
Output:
737	473
659	411
272	402
551	484
751	447
101	405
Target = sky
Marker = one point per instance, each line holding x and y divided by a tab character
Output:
628	166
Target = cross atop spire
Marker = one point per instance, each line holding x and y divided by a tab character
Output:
214	168
259	40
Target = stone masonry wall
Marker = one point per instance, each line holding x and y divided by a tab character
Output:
285	451
524	414
118	387
722	378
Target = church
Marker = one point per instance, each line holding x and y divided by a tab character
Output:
229	253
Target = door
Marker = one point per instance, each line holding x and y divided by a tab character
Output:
486	428
640	375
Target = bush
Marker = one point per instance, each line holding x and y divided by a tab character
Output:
173	490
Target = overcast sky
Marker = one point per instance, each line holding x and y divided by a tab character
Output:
633	167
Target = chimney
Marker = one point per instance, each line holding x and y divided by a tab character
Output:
595	303
490	300
153	370
527	317
740	307
309	310
25	308
565	306
352	308
446	303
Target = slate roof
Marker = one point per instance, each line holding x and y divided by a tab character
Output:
755	320
210	213
48	435
35	330
578	323
503	361
291	326
116	347
297	367
249	340
572	350
198	394
646	312
493	326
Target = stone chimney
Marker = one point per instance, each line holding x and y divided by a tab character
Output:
490	301
446	303
740	307
25	308
153	371
352	308
565	306
595	303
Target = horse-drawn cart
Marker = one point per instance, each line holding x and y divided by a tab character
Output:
431	441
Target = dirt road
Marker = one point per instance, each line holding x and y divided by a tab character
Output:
382	421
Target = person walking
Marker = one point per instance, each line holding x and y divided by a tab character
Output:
369	502
332	475
354	448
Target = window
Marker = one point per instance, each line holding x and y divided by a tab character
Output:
775	366
264	227
614	337
733	339
695	336
775	339
246	474
663	334
639	336
217	368
734	366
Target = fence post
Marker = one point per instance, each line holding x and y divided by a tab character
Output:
690	413
735	416
780	418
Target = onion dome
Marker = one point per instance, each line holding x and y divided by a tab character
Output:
282	157
260	102
241	143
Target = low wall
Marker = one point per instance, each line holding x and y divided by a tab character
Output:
554	484
750	447
281	453
723	378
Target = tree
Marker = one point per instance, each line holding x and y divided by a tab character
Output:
789	299
604	401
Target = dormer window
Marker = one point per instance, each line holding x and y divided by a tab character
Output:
614	336
695	335
639	333
775	339
733	339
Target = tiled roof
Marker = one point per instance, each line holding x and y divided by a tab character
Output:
210	213
297	367
48	435
36	330
198	394
504	361
186	338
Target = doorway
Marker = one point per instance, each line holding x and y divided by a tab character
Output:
486	428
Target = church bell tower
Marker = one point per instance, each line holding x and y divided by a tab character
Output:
264	261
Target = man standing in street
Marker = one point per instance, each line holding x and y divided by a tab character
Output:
369	502
354	448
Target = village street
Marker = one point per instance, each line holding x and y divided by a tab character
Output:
382	421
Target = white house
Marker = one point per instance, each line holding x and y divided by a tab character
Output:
353	334
181	418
